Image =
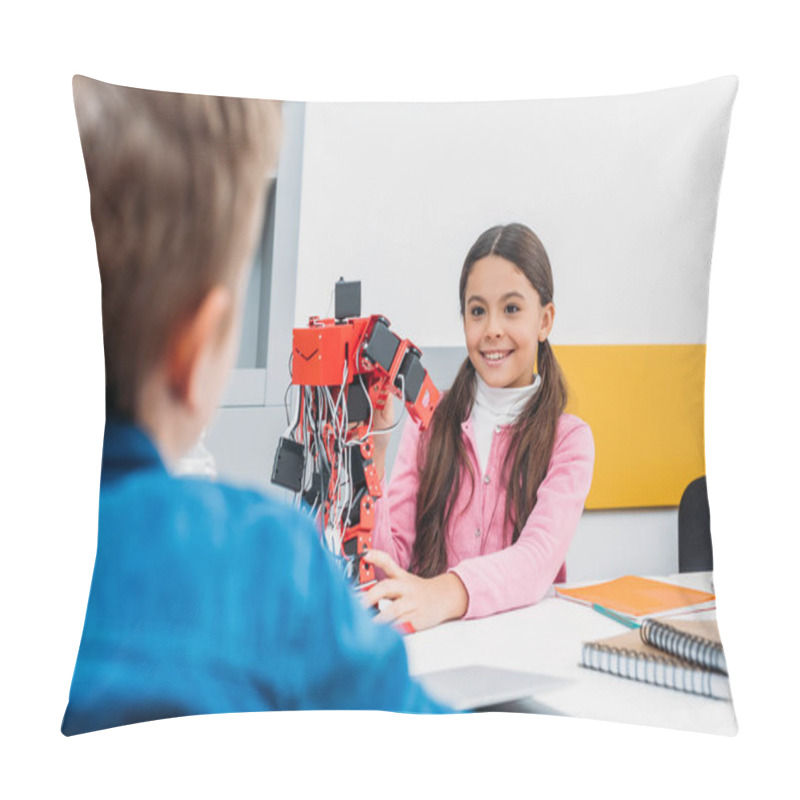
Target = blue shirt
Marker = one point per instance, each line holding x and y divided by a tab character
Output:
208	598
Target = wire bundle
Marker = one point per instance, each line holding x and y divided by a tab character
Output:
322	425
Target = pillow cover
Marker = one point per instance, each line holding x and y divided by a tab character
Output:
623	193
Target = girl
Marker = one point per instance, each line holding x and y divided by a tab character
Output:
483	505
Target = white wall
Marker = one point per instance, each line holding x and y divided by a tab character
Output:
621	190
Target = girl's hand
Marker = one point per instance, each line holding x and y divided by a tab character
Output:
384	418
423	602
381	420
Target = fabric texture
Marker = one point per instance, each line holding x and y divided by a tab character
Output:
498	576
207	598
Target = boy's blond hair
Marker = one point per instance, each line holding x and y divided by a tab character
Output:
176	183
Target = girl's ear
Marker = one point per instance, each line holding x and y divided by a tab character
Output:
194	346
548	316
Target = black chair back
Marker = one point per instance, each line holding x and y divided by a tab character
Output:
694	529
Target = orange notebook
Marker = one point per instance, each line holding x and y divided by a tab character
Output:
637	597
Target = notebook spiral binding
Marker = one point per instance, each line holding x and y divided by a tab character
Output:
650	668
695	649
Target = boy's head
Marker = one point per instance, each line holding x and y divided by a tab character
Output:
177	185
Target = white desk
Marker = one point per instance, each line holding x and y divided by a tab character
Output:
546	638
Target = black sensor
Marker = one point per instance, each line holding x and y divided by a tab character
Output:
287	471
347	299
381	347
413	375
357	403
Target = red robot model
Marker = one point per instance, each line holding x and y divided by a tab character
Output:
346	368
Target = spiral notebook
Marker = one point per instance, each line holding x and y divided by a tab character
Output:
684	655
696	642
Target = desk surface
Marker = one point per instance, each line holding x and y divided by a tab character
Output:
546	638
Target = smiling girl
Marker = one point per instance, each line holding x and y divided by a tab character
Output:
483	505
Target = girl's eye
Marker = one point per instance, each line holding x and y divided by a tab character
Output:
476	311
511	308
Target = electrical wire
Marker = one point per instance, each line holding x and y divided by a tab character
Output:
324	426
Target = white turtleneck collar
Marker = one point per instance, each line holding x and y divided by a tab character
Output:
494	408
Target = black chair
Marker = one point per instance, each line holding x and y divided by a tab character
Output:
694	529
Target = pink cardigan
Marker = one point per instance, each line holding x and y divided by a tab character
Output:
498	576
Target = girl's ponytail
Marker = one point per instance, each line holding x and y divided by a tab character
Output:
441	458
534	435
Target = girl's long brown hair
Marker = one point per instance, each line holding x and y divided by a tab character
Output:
442	456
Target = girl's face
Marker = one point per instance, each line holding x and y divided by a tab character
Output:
504	321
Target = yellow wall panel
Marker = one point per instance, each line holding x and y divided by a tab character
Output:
644	404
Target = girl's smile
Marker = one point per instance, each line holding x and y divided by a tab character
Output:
504	321
496	357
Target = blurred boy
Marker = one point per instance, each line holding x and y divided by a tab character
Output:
205	598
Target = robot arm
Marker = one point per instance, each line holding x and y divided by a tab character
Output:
345	368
